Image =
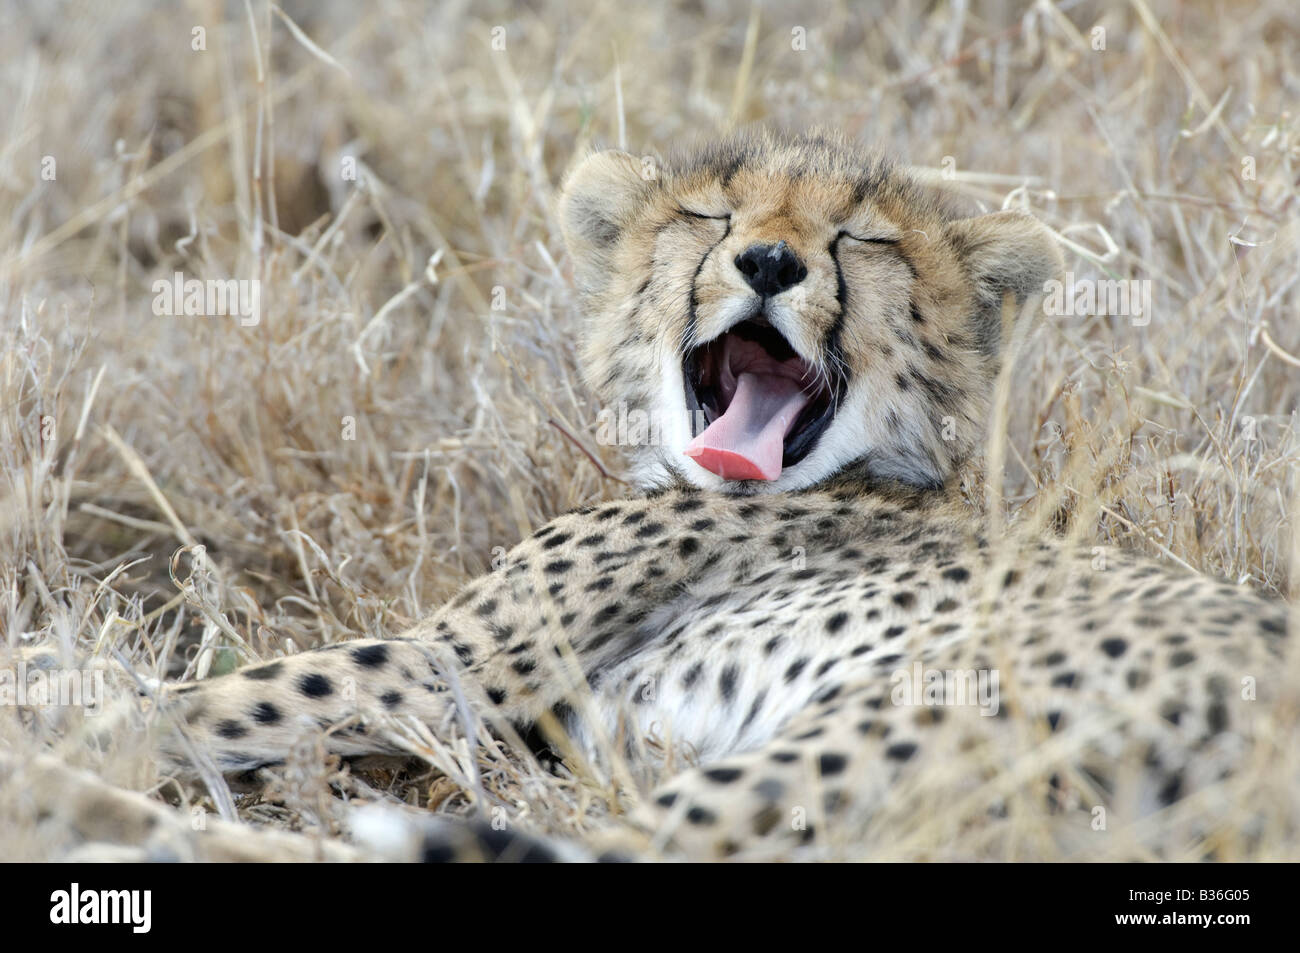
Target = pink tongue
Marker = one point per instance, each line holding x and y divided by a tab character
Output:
745	443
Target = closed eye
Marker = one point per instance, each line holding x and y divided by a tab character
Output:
869	241
725	217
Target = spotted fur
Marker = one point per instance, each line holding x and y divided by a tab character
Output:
746	637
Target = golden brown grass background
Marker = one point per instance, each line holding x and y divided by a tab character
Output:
128	439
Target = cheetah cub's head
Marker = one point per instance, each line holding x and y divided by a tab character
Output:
779	309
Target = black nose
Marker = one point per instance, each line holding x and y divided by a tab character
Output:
770	269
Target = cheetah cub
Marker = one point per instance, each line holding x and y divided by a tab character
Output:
798	625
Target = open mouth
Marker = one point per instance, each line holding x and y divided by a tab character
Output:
756	406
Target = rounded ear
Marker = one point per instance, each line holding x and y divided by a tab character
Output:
600	197
1004	252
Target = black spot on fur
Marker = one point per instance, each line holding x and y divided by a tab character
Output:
264	713
314	685
370	656
831	764
723	775
231	729
264	673
901	751
1114	647
727	682
559	539
701	816
1216	717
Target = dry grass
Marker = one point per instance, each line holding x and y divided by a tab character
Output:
127	436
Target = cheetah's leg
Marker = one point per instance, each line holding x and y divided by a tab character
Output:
834	755
78	816
581	594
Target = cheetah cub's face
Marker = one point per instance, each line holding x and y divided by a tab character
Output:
779	309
